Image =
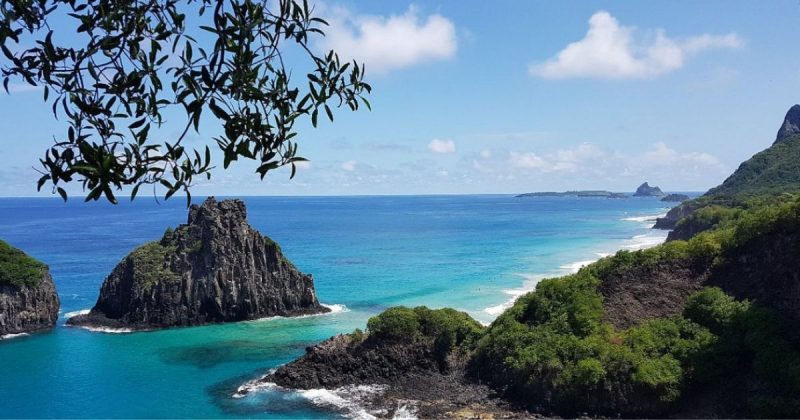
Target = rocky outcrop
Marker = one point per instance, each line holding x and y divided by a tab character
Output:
411	373
641	292
675	198
791	124
28	298
215	268
645	190
675	214
765	270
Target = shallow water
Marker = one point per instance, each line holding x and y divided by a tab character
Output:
473	253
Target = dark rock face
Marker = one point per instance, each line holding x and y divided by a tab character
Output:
791	124
215	268
25	309
645	190
675	198
639	293
412	372
765	270
674	214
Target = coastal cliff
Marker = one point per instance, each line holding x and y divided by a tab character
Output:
703	325
214	268
28	298
763	178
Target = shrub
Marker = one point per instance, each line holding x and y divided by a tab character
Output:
712	308
398	323
150	265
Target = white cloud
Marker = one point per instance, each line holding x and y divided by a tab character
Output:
610	51
527	160
442	146
303	164
661	156
389	43
349	166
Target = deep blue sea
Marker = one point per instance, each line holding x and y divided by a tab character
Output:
473	253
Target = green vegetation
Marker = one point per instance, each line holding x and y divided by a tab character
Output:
552	348
770	172
150	264
17	268
114	81
769	178
447	328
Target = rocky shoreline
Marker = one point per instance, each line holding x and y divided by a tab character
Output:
405	377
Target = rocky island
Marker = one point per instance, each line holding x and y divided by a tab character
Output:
215	268
645	190
28	298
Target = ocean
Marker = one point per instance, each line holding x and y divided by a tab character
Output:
473	253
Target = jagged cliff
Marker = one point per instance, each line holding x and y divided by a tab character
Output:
215	268
28	299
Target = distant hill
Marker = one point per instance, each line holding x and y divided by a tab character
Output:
758	181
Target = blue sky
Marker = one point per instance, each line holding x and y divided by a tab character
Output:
507	97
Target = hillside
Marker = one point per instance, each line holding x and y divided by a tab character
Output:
761	180
704	326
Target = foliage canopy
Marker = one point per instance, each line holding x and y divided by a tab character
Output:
132	61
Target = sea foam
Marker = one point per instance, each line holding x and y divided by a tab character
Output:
11	336
335	308
347	400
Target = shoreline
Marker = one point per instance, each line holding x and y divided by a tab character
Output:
362	400
637	242
334	308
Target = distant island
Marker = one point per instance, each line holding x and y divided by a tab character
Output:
645	190
582	193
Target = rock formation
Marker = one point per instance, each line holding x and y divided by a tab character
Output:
28	299
215	268
426	369
645	190
791	124
675	198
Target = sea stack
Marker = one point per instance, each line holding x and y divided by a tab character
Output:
215	268
645	190
28	298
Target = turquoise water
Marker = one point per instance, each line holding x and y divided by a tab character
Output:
474	253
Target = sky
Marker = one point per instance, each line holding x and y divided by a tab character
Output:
474	97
